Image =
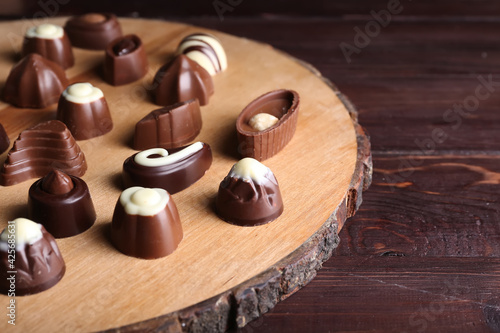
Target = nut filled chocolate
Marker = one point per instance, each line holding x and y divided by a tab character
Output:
51	42
38	263
146	223
4	140
93	31
206	50
125	60
180	80
249	195
40	149
34	82
169	127
62	204
84	110
267	124
172	172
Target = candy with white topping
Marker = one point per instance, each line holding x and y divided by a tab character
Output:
206	50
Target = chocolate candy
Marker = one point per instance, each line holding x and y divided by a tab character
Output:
172	172
38	263
62	204
249	195
267	124
146	223
4	140
180	80
50	41
93	31
40	149
169	127
125	60
34	82
84	110
206	50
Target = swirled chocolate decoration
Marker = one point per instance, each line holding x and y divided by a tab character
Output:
206	50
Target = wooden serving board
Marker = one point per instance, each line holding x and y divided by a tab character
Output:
221	274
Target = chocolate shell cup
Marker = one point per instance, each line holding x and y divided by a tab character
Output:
173	170
34	82
38	263
125	60
263	144
51	42
146	223
93	31
62	204
4	140
169	127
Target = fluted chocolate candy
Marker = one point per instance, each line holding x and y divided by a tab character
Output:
84	110
249	195
180	80
146	223
93	31
38	263
34	82
51	42
4	140
62	204
206	50
125	60
173	172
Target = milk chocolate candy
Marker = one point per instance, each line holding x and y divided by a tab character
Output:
93	31
173	172
180	80
267	124
249	195
34	82
51	42
39	150
84	110
38	263
62	204
146	223
4	140
169	127
125	60
206	50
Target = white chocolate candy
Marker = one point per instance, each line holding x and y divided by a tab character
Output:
25	231
143	158
262	121
144	201
82	93
250	169
45	31
206	50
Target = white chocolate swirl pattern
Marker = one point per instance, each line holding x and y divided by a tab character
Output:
206	50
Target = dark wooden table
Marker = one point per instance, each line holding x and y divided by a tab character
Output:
422	253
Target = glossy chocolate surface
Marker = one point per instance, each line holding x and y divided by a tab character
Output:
4	140
206	50
180	80
93	31
169	127
34	82
62	204
173	177
57	50
125	61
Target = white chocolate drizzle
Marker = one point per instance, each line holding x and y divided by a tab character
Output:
82	93
25	232
144	201
143	158
206	50
45	31
249	169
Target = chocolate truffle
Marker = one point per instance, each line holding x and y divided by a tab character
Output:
125	60
169	127
249	195
30	259
172	172
267	124
146	223
180	80
84	110
62	204
40	149
51	42
34	82
206	50
93	31
4	140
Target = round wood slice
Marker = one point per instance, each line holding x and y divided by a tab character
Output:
221	275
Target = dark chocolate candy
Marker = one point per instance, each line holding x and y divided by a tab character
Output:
173	173
62	204
125	60
169	127
206	50
38	263
93	31
4	140
180	80
34	82
146	223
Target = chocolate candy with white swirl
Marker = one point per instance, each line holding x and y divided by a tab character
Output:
206	50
